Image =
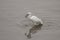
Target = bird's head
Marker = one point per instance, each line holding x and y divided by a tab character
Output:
28	15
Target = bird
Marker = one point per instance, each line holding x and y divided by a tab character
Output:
37	23
33	18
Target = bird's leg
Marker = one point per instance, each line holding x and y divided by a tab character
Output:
29	34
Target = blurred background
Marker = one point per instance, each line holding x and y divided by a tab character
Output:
13	11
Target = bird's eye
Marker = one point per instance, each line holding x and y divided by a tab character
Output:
27	15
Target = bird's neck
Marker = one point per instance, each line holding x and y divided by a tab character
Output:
29	16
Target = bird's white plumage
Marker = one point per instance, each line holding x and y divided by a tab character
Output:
29	13
34	18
